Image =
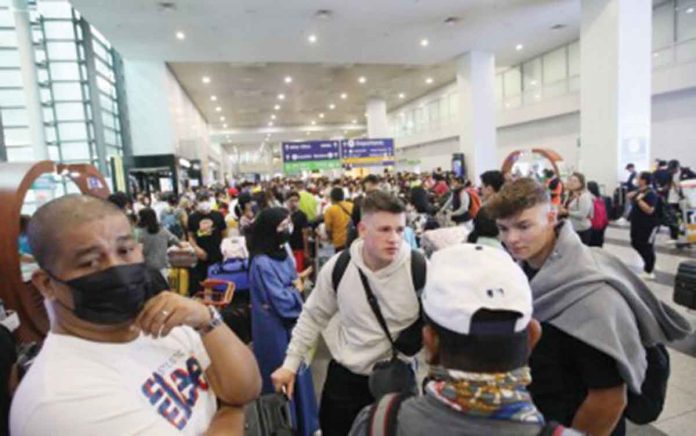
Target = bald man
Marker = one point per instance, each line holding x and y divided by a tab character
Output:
117	360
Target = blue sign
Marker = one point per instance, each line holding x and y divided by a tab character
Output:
368	152
310	151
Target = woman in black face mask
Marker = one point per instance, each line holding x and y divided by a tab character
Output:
276	304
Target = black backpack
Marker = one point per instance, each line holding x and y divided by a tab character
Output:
646	407
269	415
384	419
409	340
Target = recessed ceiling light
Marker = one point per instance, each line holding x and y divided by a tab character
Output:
690	11
362	79
273	117
270	124
429	80
222	118
307	133
332	106
519	47
218	109
402	96
354	121
312	38
213	98
344	96
314	123
424	42
224	126
281	96
205	79
288	79
321	115
180	35
276	107
656	54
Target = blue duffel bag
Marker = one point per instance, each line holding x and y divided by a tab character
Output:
233	270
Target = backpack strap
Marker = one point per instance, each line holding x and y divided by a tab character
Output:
339	268
384	415
418	269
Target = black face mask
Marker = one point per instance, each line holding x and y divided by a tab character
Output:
284	236
112	296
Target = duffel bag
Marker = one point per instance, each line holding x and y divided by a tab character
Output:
685	285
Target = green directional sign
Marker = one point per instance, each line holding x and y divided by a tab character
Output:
317	165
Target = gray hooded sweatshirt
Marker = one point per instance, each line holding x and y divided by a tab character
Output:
591	295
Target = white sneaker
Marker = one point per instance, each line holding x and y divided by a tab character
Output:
647	276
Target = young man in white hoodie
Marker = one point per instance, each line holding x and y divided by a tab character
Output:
360	342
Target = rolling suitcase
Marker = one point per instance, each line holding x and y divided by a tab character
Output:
685	285
234	270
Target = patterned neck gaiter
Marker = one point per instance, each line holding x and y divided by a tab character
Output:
501	396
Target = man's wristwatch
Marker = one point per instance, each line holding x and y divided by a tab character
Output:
215	321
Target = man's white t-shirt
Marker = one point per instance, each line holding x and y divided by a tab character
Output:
144	387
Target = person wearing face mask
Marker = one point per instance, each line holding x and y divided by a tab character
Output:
276	304
206	229
118	360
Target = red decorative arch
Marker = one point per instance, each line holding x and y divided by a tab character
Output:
550	155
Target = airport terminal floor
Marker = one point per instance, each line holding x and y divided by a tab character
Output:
368	217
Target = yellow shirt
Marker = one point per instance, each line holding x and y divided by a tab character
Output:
336	220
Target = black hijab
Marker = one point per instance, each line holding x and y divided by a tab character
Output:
265	238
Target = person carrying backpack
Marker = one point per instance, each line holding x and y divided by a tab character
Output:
173	218
371	289
600	218
603	327
478	332
465	202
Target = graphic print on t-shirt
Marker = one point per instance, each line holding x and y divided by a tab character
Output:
173	390
205	228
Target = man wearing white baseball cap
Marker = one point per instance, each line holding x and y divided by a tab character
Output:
478	335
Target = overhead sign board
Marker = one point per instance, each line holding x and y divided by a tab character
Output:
368	152
311	155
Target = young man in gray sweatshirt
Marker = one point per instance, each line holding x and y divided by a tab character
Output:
359	341
597	316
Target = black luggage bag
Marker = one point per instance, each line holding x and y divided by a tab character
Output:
685	285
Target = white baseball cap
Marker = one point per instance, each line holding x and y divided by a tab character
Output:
465	278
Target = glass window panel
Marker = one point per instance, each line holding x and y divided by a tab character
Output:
663	25
531	74
512	82
555	66
17	136
45	95
99	37
112	151
72	131
53	153
99	50
10	78
106	102
8	38
105	86
67	91
574	59
65	71
9	58
454	105
62	51
108	120
12	97
109	136
686	20
75	151
444	108
20	154
43	75
48	114
15	117
55	9
59	30
50	134
6	18
70	111
686	51
105	70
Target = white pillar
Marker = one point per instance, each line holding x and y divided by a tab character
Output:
476	92
30	80
615	82
377	124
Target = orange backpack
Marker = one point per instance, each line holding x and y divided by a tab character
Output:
474	202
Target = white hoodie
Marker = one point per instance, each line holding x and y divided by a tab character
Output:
360	342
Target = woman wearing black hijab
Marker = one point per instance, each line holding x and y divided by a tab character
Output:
276	304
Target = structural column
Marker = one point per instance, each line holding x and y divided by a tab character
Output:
377	124
615	81
30	79
476	93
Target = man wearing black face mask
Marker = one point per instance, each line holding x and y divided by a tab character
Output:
116	360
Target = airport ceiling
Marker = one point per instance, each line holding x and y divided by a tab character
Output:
247	48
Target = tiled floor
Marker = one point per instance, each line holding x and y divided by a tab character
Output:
679	415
